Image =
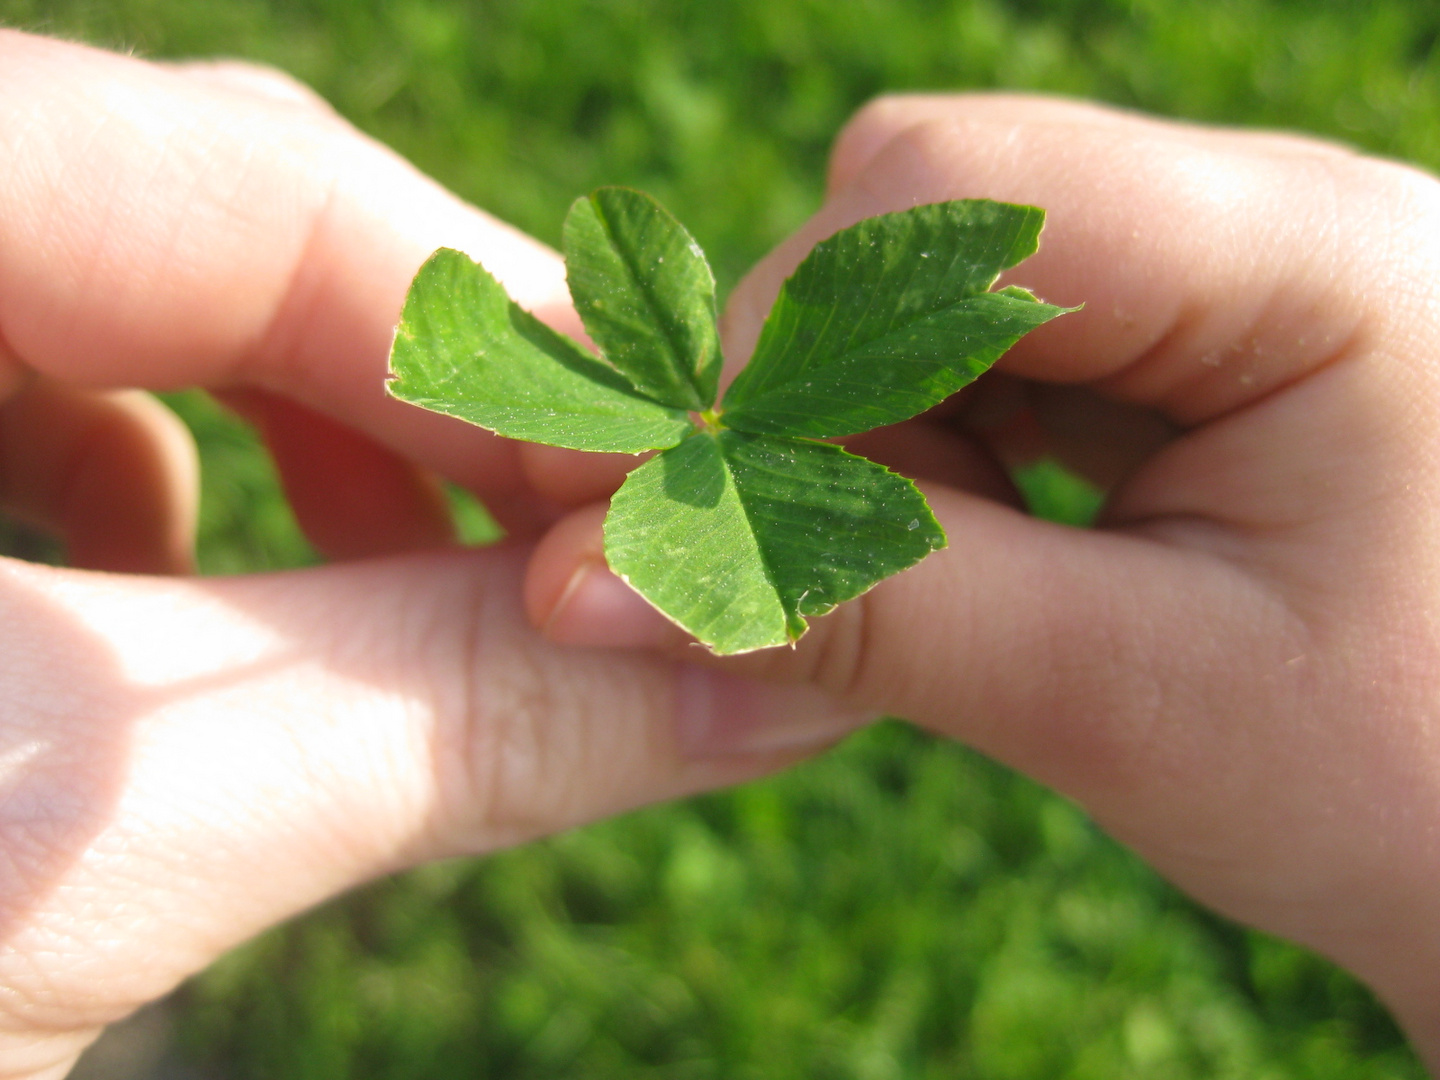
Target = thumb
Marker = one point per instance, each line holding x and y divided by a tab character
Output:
199	758
1047	647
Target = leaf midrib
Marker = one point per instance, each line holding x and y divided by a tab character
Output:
765	564
737	412
654	310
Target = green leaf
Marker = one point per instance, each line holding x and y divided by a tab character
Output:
888	318
746	526
646	295
464	348
737	537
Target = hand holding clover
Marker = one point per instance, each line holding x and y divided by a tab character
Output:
746	523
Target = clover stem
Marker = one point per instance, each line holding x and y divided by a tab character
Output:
708	421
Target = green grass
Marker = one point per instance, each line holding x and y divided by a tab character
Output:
901	908
1053	492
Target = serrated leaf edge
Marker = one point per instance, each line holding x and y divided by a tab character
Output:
791	638
642	286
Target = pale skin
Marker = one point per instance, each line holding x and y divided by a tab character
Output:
1237	674
182	761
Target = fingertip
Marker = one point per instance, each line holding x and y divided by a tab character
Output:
134	497
254	80
882	119
933	452
560	559
352	497
867	132
115	473
177	462
573	478
599	609
573	597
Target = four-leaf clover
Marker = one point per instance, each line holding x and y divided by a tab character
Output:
747	522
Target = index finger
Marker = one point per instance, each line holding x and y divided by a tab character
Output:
161	230
1209	277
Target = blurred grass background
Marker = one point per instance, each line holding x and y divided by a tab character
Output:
901	908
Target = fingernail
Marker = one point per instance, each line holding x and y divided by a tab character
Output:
597	608
720	715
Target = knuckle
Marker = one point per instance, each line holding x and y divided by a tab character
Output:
1393	211
877	116
887	112
258	80
928	159
872	128
1417	202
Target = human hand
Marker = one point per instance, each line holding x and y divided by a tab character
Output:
183	762
1238	672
